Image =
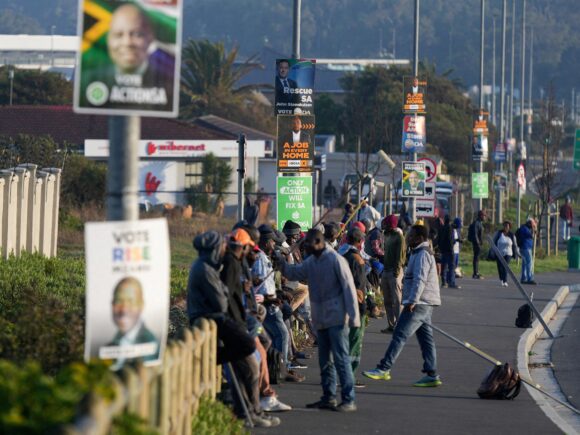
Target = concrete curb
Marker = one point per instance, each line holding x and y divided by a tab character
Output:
525	344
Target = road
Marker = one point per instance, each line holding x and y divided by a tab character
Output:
482	313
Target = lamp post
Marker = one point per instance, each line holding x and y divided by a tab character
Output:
11	77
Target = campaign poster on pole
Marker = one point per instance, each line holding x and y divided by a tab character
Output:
127	293
500	152
480	123
414	92
413	179
479	185
294	201
480	148
294	85
414	134
129	57
295	151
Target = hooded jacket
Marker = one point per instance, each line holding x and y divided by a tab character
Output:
207	295
421	282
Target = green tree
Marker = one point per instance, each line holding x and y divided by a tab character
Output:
210	85
35	87
215	180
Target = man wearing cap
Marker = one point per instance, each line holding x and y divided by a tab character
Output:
334	310
392	278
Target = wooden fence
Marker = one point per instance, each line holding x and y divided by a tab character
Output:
166	396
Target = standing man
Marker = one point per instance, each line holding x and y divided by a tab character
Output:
475	236
567	216
330	194
334	309
420	295
446	241
525	241
392	279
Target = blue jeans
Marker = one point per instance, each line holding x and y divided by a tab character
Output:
566	229
333	357
412	323
276	328
502	271
527	274
456	260
448	269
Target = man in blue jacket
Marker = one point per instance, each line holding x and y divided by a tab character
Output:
420	295
525	240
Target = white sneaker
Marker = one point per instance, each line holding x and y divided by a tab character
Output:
272	404
505	284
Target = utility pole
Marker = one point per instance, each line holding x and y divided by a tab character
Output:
523	77
482	43
510	125
416	74
493	112
296	29
530	103
241	174
11	77
499	192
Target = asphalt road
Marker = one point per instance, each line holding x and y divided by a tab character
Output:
482	313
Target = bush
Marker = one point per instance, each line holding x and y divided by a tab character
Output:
215	418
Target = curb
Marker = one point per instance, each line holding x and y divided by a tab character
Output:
525	344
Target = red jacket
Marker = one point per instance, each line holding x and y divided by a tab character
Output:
566	213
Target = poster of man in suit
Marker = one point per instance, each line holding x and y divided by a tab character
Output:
127	296
129	57
414	90
295	150
294	85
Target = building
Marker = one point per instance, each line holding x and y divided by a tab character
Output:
170	152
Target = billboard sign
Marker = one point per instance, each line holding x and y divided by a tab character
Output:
294	201
295	151
127	294
414	134
479	185
413	179
294	85
129	58
500	152
414	90
480	150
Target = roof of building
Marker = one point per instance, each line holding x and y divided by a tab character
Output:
63	125
225	126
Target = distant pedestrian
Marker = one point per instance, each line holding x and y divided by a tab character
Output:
392	278
348	211
525	241
334	309
420	295
567	216
445	242
330	194
457	242
505	241
475	236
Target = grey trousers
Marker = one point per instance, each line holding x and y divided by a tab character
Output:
392	293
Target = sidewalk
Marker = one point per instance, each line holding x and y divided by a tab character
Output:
482	313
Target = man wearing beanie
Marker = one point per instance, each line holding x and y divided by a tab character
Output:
392	279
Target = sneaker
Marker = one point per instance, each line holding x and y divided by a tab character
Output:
359	384
346	407
388	330
428	381
260	421
272	404
532	282
455	286
378	374
444	285
505	284
274	421
302	355
292	376
323	404
478	276
295	364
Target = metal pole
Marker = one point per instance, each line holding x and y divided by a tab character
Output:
412	211
502	95
512	72
530	107
481	48
357	161
493	111
523	73
296	30
518	213
315	195
391	200
11	77
241	174
556	220
123	168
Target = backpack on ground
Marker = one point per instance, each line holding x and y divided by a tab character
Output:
471	232
502	383
274	358
525	316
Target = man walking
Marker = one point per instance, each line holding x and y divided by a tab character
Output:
420	295
334	309
475	236
392	278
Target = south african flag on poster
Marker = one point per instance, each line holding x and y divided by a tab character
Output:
129	58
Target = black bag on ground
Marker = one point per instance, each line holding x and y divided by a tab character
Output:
525	316
502	383
274	365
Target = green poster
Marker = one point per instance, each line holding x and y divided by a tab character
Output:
479	185
577	150
294	201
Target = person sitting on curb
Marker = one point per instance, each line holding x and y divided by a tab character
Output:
420	295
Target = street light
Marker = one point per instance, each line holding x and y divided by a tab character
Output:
11	77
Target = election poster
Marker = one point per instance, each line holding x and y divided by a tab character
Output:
480	123
294	85
479	185
128	61
294	201
413	179
127	291
499	154
414	90
414	134
295	151
480	151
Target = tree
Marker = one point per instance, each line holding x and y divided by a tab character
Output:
210	85
35	87
215	180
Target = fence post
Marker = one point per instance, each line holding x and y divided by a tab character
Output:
197	349
21	210
188	367
213	357
548	238
9	215
56	172
165	393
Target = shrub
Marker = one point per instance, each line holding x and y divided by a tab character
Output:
215	418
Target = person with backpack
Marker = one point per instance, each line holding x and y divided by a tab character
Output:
475	236
421	294
525	241
505	241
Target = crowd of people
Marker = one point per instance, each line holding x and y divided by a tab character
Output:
266	287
